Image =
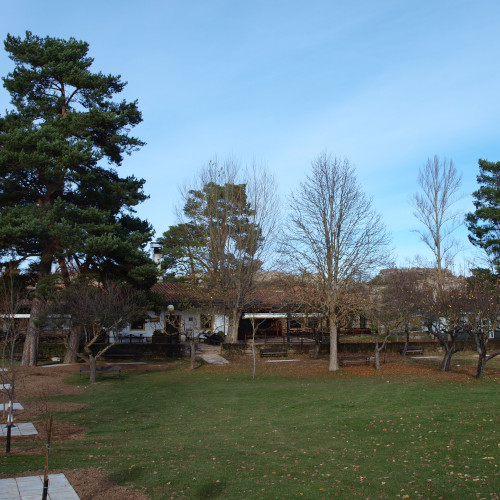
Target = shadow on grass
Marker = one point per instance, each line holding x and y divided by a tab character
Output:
211	490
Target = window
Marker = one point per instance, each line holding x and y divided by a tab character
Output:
206	321
173	323
313	322
138	325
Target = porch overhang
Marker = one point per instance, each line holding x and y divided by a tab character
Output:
280	315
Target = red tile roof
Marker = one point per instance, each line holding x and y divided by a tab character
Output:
266	298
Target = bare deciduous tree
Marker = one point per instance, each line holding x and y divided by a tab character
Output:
443	313
483	300
334	238
382	311
12	298
397	296
255	322
433	206
97	309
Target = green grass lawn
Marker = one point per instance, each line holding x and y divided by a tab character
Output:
218	433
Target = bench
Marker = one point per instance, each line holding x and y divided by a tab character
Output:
412	349
103	369
355	360
273	351
121	355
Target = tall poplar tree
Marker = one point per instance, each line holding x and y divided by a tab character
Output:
61	208
433	204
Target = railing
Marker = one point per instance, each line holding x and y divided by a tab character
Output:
301	338
131	339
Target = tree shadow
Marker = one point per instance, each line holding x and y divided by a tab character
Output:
212	489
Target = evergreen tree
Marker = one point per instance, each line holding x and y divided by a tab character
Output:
217	248
60	207
221	244
484	222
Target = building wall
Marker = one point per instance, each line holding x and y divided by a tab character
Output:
186	321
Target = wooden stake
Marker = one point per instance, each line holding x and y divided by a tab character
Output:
46	471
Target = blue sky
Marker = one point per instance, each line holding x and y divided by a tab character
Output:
386	84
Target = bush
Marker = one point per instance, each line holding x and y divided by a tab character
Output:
47	351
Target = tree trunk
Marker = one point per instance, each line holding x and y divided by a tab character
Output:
451	349
317	344
334	362
30	349
446	363
407	340
234	323
70	356
317	348
481	349
481	366
92	368
253	351
192	353
377	354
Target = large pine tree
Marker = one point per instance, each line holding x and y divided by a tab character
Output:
484	222
218	247
61	207
225	235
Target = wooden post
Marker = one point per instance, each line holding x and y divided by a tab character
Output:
10	423
46	471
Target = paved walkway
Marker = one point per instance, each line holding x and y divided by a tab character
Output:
210	354
31	488
56	364
213	359
281	360
22	429
15	406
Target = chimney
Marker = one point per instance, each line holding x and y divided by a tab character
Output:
156	251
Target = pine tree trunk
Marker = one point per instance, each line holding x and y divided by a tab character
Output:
70	356
334	362
30	349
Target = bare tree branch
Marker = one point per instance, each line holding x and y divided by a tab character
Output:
439	183
333	237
